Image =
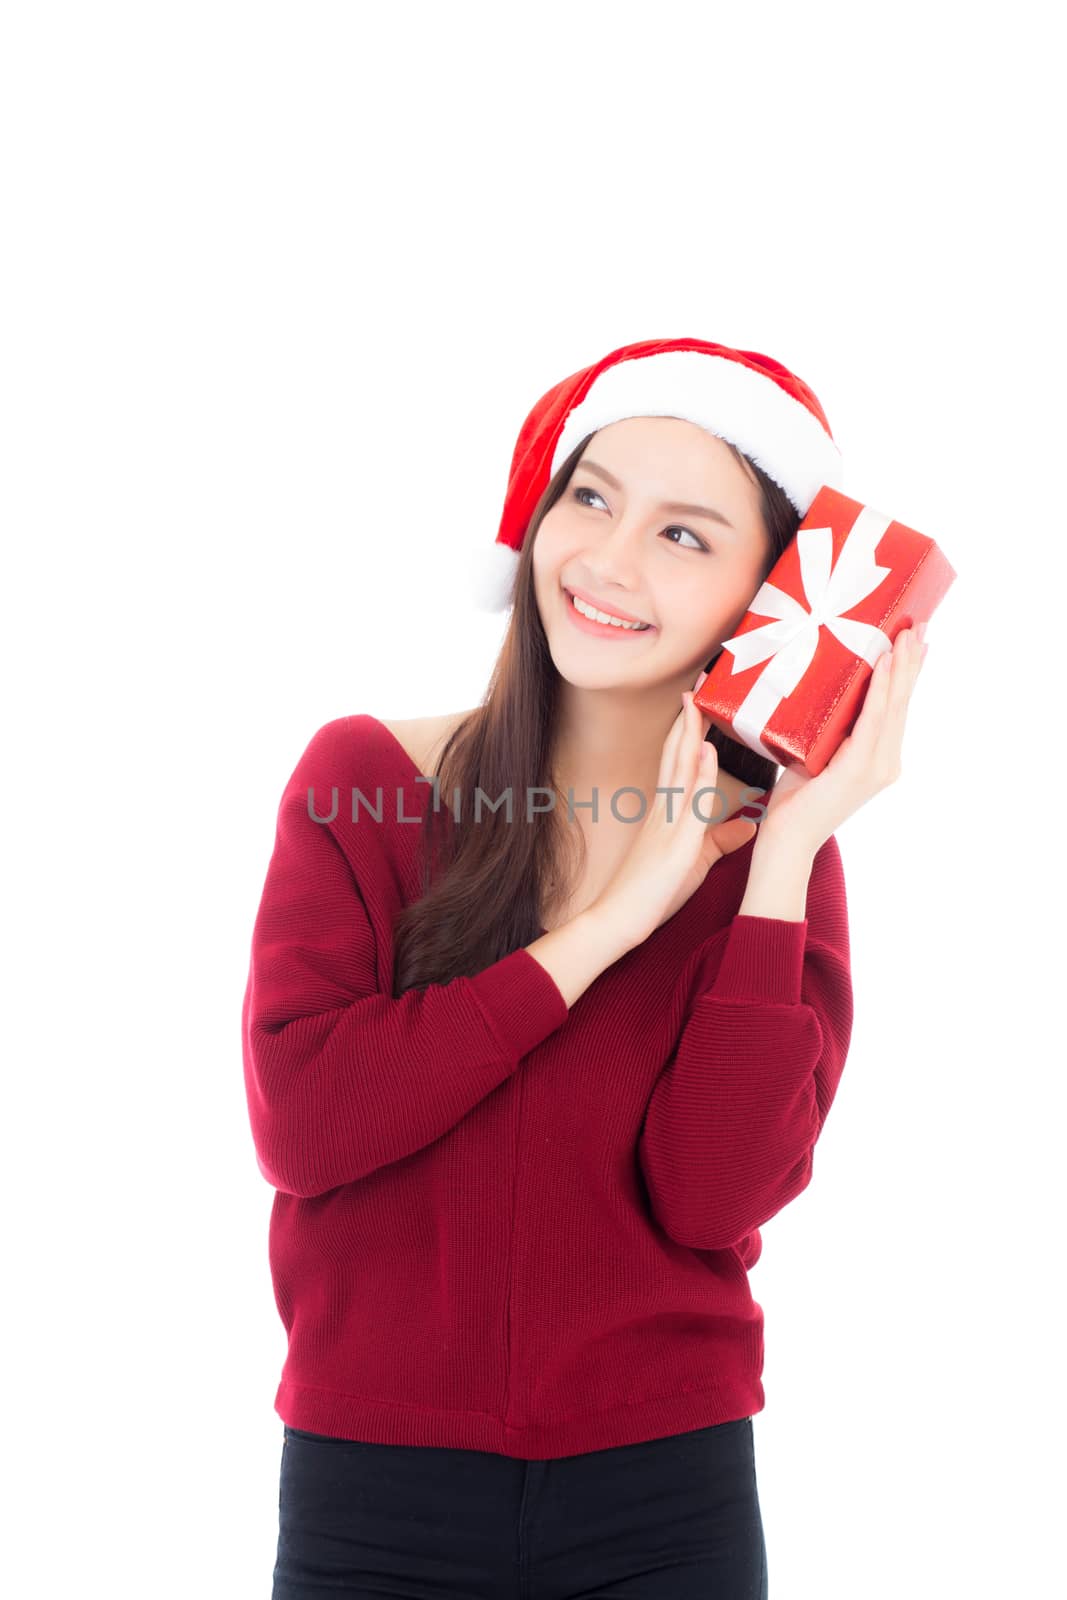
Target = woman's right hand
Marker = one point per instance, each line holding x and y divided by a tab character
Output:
669	859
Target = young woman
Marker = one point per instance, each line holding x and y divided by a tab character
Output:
530	1076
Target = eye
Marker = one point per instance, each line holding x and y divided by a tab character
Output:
576	494
700	543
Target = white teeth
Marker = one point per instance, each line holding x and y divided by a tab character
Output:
602	616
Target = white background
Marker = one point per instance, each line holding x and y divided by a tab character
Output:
282	282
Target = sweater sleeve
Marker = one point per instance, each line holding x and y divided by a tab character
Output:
730	1129
340	1078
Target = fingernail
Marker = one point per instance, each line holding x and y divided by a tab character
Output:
699	681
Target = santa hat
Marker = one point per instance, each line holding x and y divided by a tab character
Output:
746	398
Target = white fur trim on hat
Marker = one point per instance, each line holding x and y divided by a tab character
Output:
493	571
732	401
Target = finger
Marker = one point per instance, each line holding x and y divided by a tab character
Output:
709	804
867	729
703	802
700	770
905	671
669	756
882	736
690	756
723	838
681	756
903	661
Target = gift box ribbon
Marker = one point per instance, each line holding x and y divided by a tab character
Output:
789	643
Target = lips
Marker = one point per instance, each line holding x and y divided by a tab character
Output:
598	605
620	638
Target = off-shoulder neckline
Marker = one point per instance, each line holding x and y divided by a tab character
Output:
412	766
402	751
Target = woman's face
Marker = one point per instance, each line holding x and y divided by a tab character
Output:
690	576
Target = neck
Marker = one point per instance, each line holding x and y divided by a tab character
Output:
607	741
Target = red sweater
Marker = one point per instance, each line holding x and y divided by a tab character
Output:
500	1224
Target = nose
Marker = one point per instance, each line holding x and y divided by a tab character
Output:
614	560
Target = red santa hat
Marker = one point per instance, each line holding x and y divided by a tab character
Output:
746	398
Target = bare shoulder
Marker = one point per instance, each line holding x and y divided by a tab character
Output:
424	737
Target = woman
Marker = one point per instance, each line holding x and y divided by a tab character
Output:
529	1079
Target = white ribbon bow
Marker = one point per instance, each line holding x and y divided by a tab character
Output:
790	642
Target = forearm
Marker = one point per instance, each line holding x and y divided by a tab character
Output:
575	954
778	878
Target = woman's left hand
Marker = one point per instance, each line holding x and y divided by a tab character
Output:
807	810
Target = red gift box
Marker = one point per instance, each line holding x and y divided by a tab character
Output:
791	688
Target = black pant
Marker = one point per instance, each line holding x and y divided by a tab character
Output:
670	1519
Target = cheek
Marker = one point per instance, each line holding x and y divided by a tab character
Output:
698	617
549	551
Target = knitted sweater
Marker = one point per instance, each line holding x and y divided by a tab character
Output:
503	1224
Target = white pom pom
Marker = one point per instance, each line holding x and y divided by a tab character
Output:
493	570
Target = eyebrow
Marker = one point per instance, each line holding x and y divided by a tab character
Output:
665	505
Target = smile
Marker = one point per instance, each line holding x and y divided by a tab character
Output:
592	620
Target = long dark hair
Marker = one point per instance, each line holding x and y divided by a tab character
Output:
484	882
